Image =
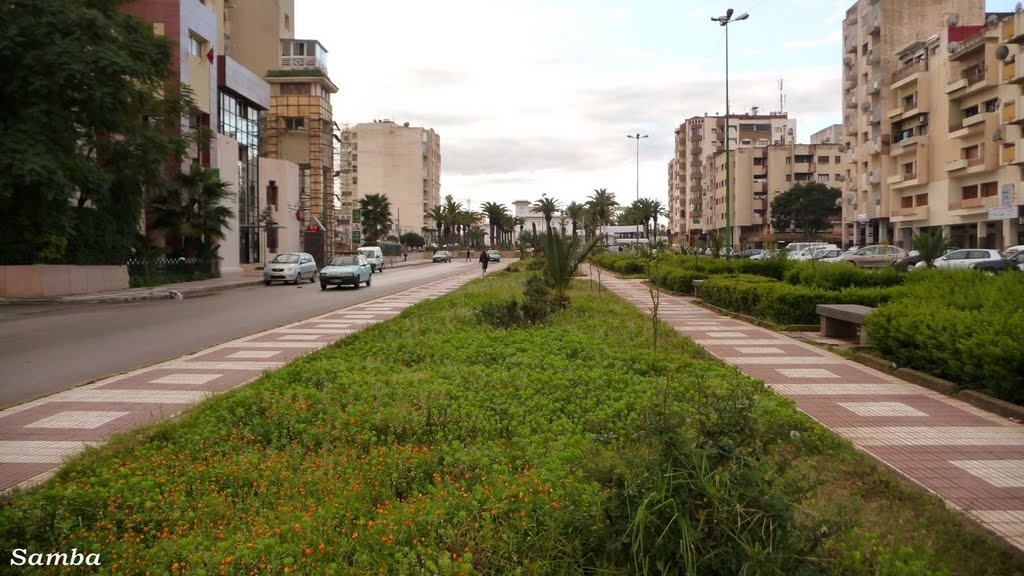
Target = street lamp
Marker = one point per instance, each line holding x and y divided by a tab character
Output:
725	21
842	203
636	213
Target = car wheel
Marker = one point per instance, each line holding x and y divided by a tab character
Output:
323	286
369	279
312	277
266	282
356	284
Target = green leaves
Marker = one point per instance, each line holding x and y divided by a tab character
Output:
377	220
805	207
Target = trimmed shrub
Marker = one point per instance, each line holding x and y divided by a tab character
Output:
834	276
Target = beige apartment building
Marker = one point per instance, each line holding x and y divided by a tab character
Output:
401	162
949	132
831	135
695	206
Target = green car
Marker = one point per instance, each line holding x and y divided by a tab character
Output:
346	270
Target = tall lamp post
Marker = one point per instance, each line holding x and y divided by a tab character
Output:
842	203
725	21
636	214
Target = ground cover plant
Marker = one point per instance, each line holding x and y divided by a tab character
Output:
437	444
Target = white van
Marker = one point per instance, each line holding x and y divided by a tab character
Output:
374	256
794	248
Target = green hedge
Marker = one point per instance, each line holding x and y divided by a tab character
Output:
959	325
835	276
780	302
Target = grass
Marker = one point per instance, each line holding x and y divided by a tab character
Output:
431	444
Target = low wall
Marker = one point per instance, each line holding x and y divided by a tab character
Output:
52	280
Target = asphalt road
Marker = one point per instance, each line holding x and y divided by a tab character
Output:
48	348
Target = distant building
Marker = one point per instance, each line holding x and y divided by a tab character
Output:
401	162
831	135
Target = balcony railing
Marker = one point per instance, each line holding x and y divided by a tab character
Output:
303	63
909	70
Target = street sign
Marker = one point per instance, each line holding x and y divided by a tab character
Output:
1002	213
1005	197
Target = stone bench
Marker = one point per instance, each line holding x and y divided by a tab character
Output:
844	321
696	288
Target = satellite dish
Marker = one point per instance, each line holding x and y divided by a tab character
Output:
841	178
790	131
953	46
1002	52
1018	7
850	199
406	124
842	148
839	202
997	135
865	106
953	20
848	60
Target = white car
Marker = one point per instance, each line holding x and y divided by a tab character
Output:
1013	250
374	255
829	254
964	258
292	267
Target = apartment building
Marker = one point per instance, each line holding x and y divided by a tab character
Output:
299	127
401	162
697	207
758	174
953	131
888	51
229	97
831	135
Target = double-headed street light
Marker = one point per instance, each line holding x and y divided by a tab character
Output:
636	213
725	21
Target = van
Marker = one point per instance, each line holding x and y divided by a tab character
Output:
374	256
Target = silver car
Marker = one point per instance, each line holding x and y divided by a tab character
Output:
292	267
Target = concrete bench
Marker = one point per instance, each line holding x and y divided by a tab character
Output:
696	288
844	321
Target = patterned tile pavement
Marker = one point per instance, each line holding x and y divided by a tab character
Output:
36	437
970	458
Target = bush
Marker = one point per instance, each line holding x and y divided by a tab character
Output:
959	325
835	276
508	313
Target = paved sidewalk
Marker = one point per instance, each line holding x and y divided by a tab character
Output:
188	289
970	458
36	437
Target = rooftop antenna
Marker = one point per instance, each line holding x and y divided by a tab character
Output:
782	99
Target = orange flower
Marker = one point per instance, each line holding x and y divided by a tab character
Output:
355	535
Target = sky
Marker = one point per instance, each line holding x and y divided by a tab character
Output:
537	97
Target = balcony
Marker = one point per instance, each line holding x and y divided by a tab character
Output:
908	214
908	73
873	86
851	101
969	79
303	55
956	165
974	205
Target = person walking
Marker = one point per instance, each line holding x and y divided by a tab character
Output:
484	260
467	255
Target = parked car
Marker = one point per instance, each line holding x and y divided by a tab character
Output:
442	256
765	255
874	256
290	267
374	256
346	270
909	261
828	254
965	258
1017	260
494	256
749	252
1013	250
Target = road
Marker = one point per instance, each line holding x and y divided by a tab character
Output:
48	348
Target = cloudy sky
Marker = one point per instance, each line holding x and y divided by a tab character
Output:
535	97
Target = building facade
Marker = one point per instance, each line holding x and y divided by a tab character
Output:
401	162
949	129
695	206
831	135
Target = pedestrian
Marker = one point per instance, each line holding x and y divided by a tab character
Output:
405	256
483	262
467	255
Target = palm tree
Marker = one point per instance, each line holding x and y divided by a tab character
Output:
602	202
520	223
451	210
547	207
642	213
437	215
930	245
575	213
562	258
376	211
476	236
192	211
494	212
657	209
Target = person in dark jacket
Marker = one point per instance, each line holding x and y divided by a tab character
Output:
484	259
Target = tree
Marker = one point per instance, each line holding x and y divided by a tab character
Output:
601	203
574	211
192	212
657	209
547	207
494	211
376	212
806	207
930	245
437	215
90	122
562	258
412	240
450	209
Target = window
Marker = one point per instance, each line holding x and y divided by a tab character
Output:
907	202
921	199
789	177
822	177
287	22
991	105
294	123
293	89
989	189
969	192
195	45
838	159
272	193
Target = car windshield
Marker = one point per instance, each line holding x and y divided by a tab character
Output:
345	260
285	259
